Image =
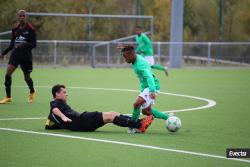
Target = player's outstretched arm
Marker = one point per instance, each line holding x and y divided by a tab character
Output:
58	113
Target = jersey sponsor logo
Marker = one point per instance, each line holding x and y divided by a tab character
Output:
20	39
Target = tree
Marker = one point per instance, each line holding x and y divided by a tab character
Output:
200	19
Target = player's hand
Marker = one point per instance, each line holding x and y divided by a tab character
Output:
66	119
152	96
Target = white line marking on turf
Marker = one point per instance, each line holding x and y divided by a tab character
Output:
124	143
210	103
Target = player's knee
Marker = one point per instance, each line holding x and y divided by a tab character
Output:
109	116
137	105
146	111
10	70
9	73
114	114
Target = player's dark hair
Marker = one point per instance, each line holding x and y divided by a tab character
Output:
57	89
128	48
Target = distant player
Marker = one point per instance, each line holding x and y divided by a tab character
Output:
149	86
23	40
62	116
144	48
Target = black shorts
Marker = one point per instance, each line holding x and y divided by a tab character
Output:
26	65
88	121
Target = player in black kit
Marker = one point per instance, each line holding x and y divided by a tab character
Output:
22	42
62	116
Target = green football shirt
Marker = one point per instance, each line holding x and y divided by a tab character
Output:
146	77
144	45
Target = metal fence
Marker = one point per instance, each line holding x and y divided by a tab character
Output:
105	53
194	53
58	53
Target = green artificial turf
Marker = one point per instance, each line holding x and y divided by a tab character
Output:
208	131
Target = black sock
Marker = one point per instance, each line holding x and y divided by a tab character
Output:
7	84
125	116
30	84
126	122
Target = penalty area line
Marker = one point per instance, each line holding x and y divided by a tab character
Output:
124	143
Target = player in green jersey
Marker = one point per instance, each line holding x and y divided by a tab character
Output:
145	49
149	86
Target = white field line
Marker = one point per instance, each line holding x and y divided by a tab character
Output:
210	103
124	143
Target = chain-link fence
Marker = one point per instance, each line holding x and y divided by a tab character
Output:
105	53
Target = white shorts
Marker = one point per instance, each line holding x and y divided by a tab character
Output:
150	60
148	101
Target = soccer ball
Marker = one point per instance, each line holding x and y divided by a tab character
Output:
173	124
